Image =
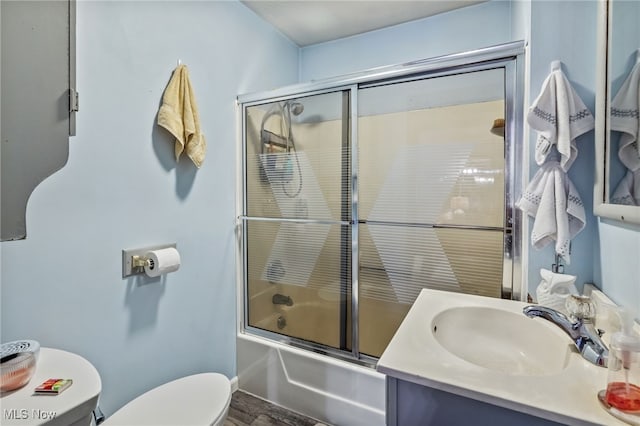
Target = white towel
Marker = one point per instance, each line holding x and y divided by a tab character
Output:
552	199
624	118
559	116
628	190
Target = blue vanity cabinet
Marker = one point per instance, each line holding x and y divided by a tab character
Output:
411	404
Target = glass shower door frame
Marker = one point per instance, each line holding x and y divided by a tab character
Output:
510	57
345	222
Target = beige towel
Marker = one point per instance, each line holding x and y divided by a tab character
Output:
179	115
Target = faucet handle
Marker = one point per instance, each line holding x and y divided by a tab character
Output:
580	308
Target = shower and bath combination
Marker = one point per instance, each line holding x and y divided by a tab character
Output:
280	168
344	185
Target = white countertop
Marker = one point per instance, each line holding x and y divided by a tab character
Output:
22	407
415	355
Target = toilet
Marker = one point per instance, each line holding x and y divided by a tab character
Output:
202	399
197	400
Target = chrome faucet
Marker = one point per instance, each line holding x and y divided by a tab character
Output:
281	299
583	333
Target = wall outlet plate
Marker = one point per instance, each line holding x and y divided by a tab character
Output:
127	255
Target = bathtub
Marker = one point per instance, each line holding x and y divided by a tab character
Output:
327	389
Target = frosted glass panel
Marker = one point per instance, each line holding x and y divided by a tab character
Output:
432	195
297	164
430	201
307	263
298	187
400	261
435	165
397	262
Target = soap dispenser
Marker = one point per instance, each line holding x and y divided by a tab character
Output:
623	381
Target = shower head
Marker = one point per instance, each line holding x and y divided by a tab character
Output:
296	108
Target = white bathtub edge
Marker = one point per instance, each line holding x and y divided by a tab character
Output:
327	389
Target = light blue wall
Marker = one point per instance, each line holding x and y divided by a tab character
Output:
607	252
566	31
619	258
562	30
461	30
122	189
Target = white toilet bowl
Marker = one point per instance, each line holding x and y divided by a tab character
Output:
201	399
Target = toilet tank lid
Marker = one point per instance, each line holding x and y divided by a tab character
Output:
199	399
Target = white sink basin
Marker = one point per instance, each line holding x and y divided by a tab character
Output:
486	349
502	340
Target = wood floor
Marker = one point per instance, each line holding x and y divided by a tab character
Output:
247	410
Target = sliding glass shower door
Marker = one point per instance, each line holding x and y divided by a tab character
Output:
297	232
359	195
432	194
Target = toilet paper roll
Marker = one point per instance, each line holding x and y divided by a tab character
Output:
162	261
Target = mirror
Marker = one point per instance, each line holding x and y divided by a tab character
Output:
37	73
617	185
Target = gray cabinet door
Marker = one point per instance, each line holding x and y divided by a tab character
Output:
37	72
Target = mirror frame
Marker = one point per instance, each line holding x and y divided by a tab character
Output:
601	206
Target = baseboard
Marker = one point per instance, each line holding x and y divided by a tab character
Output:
234	384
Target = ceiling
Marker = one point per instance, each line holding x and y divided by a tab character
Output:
308	22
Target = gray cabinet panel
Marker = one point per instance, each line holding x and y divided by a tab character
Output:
410	404
35	102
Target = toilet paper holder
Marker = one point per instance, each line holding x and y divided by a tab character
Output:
134	260
140	262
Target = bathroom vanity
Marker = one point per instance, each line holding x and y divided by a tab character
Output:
72	407
458	357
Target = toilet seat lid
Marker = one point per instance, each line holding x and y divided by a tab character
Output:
200	399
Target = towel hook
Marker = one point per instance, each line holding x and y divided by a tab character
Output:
638	56
556	65
557	267
179	62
